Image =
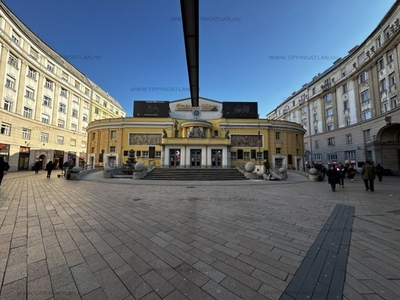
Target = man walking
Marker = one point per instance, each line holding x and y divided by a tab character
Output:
4	166
368	175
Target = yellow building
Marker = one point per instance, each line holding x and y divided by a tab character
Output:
179	135
46	103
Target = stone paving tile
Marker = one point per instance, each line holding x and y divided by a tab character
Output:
40	288
14	291
111	284
276	230
84	278
161	286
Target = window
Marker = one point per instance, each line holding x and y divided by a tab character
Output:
348	139
96	110
318	156
12	60
392	79
48	84
367	134
277	135
381	64
378	42
278	150
363	78
347	121
84	118
246	155
111	107
10	82
330	127
26	133
112	148
315	117
85	105
64	93
365	96
29	93
331	141
75	113
61	123
145	154
316	144
346	105
50	67
44	137
46	101
389	57
304	110
97	99
332	156
386	33
105	103
367	115
87	91
60	140
113	135
259	155
158	154
343	72
117	112
34	54
385	107
394	103
382	85
77	85
76	99
27	112
233	155
73	142
45	119
329	112
73	127
93	136
350	154
64	76
304	122
344	88
5	129
31	73
62	108
314	90
7	105
328	97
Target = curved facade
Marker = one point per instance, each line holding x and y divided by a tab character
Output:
351	111
195	137
46	103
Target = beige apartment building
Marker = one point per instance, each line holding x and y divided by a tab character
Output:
46	103
351	111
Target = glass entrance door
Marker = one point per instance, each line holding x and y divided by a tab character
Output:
216	158
174	157
195	158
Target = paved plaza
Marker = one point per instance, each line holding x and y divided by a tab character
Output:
125	239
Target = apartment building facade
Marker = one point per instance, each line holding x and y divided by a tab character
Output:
351	111
46	103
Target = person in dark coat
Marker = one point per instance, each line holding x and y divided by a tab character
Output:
36	167
368	175
4	166
49	168
333	177
342	173
266	167
379	171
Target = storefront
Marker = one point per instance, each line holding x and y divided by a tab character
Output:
23	159
5	151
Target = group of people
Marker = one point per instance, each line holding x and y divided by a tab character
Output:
49	167
337	173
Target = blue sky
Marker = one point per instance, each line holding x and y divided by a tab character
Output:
134	49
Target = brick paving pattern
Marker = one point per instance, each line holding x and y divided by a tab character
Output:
119	239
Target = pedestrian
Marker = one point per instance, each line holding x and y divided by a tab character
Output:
351	172
368	175
65	168
333	177
324	170
4	166
36	167
379	171
267	166
49	168
342	173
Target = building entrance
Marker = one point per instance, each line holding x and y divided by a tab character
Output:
174	157
195	158
216	158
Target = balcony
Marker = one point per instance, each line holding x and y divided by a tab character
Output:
196	141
